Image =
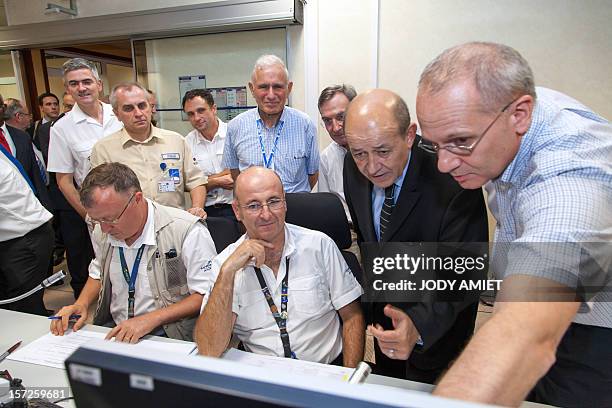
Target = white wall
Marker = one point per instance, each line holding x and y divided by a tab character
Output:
567	42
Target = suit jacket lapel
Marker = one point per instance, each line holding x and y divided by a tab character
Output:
409	195
365	210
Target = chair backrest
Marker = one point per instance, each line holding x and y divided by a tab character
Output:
224	231
322	212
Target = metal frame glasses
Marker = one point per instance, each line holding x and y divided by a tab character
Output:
93	222
255	208
461	150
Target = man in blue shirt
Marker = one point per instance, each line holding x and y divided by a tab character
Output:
273	135
544	159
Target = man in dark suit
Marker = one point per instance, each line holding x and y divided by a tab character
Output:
20	146
416	341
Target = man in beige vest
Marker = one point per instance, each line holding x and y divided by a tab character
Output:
147	275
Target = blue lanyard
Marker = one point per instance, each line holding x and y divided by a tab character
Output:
131	279
268	160
20	168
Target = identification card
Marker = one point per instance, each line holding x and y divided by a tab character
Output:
175	175
166	186
171	156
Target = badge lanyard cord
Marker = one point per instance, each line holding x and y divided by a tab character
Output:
281	318
131	279
268	160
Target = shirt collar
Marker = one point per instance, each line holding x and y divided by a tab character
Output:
155	133
289	247
79	116
147	237
282	118
527	146
221	132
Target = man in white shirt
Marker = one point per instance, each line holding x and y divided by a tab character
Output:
149	257
26	239
333	102
253	283
206	141
70	144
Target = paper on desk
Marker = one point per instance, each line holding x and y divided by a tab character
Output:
288	365
52	351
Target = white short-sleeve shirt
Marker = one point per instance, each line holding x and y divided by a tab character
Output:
73	137
208	156
197	250
320	283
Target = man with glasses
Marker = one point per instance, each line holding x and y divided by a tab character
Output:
544	158
70	142
148	266
280	288
17	114
396	194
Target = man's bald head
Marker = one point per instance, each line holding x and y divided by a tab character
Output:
379	135
256	176
380	105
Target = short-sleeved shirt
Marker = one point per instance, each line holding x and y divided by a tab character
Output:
73	137
208	157
164	155
330	173
320	283
292	143
552	202
197	250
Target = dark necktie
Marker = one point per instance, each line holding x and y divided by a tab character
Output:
387	209
4	142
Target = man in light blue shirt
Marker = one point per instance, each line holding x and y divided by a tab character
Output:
544	159
273	135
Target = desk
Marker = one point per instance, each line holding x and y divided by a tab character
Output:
26	327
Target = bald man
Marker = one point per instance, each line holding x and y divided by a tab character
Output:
252	276
416	341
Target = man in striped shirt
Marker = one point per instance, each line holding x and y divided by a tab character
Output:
273	135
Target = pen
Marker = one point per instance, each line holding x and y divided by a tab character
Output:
9	351
72	317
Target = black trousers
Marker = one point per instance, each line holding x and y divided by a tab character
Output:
79	251
220	210
24	265
582	373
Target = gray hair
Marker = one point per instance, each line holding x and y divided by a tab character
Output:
116	175
126	86
266	61
13	107
498	71
331	91
80	63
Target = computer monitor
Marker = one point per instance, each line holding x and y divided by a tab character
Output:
108	374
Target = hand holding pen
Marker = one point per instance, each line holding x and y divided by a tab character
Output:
60	322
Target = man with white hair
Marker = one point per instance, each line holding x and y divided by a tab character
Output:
273	135
70	144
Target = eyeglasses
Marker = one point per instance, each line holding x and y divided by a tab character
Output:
93	222
461	150
273	204
25	114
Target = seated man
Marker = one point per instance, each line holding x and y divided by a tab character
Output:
131	234
304	324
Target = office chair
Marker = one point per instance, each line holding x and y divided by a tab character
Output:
324	212
224	231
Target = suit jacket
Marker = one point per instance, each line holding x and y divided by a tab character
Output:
431	207
25	155
41	140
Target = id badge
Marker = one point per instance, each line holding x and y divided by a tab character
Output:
175	175
166	186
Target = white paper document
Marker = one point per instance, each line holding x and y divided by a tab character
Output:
52	351
288	365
